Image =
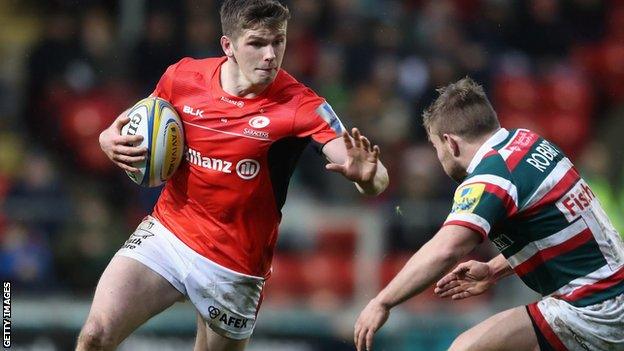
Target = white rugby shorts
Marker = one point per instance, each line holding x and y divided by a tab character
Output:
227	300
565	327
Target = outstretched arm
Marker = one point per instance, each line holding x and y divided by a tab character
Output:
427	265
357	160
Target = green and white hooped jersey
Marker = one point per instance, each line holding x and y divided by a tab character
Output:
525	195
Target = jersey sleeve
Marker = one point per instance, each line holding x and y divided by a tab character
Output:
482	202
164	87
315	118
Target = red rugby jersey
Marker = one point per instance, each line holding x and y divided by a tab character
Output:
225	200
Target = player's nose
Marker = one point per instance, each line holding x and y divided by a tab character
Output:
269	53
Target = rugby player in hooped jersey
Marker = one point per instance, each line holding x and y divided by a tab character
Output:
522	193
211	236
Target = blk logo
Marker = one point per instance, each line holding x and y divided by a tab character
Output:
192	111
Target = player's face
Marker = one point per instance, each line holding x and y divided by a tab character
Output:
449	163
259	53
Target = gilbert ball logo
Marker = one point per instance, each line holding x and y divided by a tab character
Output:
259	122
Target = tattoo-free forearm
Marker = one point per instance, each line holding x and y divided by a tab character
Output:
426	266
429	264
418	274
378	184
500	268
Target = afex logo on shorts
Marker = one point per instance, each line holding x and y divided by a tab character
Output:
213	312
230	321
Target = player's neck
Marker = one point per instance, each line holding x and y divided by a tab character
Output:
470	149
235	83
468	153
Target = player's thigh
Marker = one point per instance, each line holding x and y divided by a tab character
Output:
127	295
207	339
508	330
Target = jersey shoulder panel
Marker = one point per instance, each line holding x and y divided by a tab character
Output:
536	165
499	184
486	197
182	73
192	78
492	163
205	66
285	84
287	90
313	116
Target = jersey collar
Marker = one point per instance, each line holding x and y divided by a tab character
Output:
495	139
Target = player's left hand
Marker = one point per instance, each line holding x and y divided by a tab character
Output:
360	165
370	320
468	279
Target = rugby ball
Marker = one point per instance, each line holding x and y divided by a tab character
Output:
158	122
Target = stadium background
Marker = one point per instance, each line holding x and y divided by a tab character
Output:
69	67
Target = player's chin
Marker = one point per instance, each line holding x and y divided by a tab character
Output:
264	77
265	80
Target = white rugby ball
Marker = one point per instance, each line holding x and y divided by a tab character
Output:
158	122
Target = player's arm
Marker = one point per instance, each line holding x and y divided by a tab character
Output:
473	278
119	147
427	265
500	268
357	160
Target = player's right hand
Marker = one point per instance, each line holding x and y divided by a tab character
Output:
468	279
372	317
119	147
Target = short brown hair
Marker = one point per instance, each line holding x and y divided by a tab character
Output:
462	108
238	15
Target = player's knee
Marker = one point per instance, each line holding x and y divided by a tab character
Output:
96	335
463	343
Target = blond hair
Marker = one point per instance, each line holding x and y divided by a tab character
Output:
463	109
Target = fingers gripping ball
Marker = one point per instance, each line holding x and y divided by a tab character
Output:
158	122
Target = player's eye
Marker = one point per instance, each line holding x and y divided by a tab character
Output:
256	44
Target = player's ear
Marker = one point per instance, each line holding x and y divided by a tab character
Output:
227	45
451	142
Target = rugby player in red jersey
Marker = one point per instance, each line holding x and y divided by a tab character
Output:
211	236
523	194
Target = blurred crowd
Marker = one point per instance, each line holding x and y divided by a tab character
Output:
69	67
